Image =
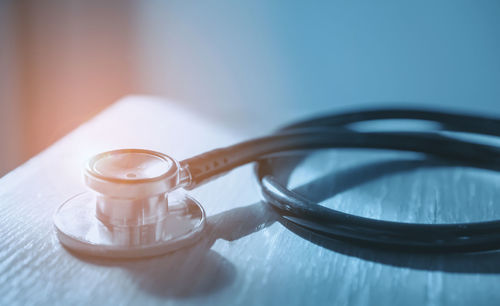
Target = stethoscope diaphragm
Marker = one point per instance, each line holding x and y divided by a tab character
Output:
132	210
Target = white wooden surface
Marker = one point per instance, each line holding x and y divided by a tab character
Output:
246	257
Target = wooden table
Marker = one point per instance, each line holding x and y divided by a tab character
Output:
247	256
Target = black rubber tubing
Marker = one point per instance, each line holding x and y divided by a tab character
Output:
333	132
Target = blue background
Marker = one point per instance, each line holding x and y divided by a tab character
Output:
246	64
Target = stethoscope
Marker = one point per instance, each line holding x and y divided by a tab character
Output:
137	208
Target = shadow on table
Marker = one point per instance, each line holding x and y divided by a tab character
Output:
197	270
200	271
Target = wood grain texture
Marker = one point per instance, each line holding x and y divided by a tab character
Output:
247	256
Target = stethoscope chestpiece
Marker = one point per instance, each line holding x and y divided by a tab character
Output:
133	209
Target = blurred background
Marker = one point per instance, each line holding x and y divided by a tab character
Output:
243	64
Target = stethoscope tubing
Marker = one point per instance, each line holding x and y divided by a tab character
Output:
334	132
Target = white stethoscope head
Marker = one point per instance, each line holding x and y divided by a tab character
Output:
131	211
